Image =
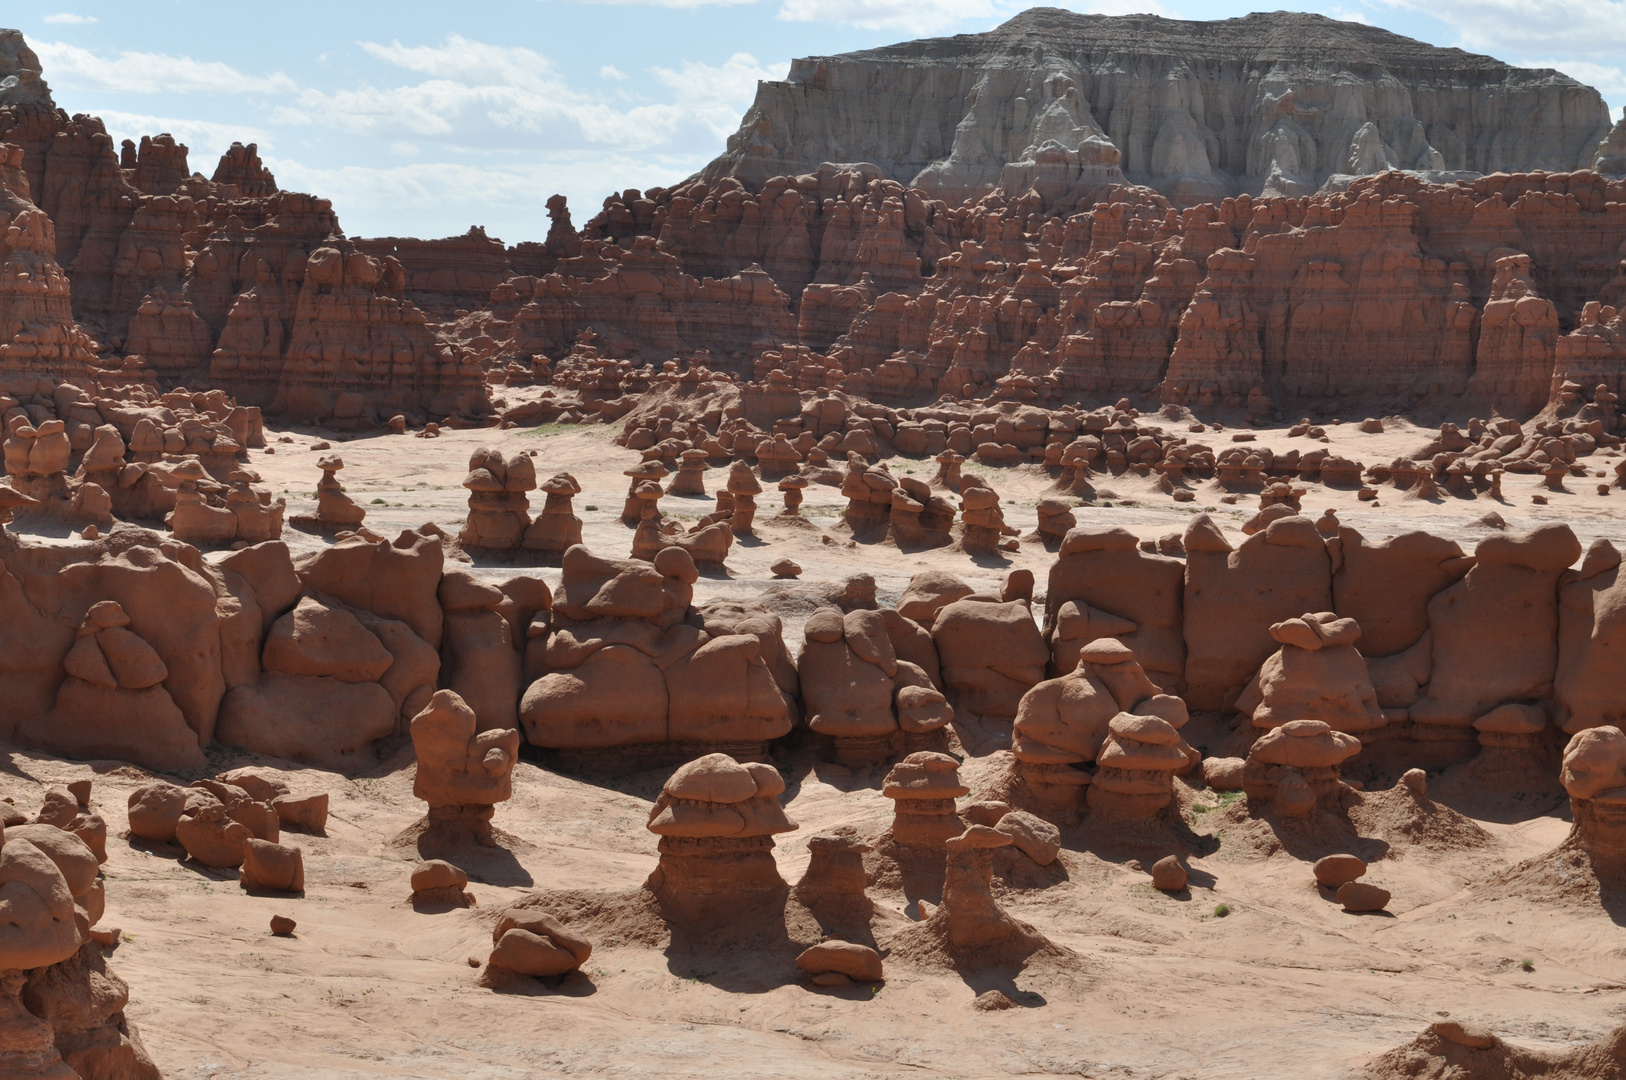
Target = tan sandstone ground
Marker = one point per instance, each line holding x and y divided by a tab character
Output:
1286	985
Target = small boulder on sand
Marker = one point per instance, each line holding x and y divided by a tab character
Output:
1334	871
1360	896
1033	836
529	942
860	963
438	881
272	867
1168	874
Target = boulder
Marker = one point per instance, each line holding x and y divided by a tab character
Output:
860	963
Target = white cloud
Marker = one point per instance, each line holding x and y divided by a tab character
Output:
682	5
919	19
909	15
1503	28
610	71
206	141
68	18
1581	38
481	96
509	200
466	61
73	68
718	95
1609	80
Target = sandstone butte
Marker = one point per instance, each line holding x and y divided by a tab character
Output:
983	718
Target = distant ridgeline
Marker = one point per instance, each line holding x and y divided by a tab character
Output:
1281	213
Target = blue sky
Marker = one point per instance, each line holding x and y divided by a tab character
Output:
422	119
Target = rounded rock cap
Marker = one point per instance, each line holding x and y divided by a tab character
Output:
715	778
1473	1036
824	625
1106	651
925	774
980	836
1513	719
1305	744
1144	729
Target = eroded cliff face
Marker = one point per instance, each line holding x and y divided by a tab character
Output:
126	253
1273	104
20	77
997	242
1404	294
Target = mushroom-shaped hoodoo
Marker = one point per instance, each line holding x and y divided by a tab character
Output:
557	527
923	787
793	486
462	772
499	512
1294	767
1594	776
1135	768
716	819
1316	675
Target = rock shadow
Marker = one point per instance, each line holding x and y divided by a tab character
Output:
494	864
1323	833
440	906
743	945
1015	870
573	984
213	873
917	873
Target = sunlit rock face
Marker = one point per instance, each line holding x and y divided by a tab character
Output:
1272	104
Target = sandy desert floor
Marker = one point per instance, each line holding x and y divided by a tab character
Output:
405	481
1286	985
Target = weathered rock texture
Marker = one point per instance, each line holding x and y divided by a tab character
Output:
627	660
1273	103
61	1009
226	280
1342	215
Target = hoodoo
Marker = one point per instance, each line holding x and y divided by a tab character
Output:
1051	520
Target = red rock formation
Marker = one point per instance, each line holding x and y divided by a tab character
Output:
37	333
355	351
153	256
443	275
1516	340
623	666
861	693
1101	579
243	175
1234	596
641	304
462	772
1594	776
73	172
716	820
158	167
